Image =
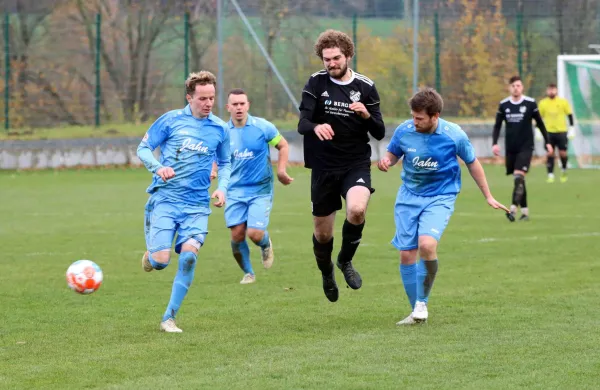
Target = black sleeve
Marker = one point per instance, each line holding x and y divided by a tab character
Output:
540	123
375	121
498	125
308	106
571	123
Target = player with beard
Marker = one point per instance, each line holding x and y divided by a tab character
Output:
553	110
339	109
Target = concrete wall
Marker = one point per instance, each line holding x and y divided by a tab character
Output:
45	154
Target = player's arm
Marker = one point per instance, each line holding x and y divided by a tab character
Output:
223	160
394	152
540	125
465	150
370	112
500	117
283	148
308	106
155	136
569	113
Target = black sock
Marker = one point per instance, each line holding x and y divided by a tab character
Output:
351	235
524	198
518	190
550	164
564	161
323	254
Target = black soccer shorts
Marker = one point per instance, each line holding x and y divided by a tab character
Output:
520	161
558	140
327	188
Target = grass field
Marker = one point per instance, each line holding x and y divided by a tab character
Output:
514	305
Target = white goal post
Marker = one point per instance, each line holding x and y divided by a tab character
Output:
579	83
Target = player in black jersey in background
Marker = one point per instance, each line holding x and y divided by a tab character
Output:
518	111
339	108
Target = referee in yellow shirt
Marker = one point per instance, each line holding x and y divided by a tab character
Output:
553	110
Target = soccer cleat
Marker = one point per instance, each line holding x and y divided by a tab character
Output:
146	262
511	216
351	275
267	256
563	177
169	326
409	321
330	287
248	279
420	312
550	179
524	217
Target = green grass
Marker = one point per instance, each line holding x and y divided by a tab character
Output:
514	305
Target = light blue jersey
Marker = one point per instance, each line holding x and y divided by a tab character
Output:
430	166
188	145
251	171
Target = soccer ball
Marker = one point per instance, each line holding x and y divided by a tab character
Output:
84	277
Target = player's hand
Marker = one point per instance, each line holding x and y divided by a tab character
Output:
213	174
360	109
324	132
284	178
384	164
165	173
550	149
571	132
497	205
496	150
220	196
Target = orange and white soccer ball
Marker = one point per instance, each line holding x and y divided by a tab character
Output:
84	276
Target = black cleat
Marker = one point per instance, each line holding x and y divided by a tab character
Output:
351	275
524	218
511	217
330	287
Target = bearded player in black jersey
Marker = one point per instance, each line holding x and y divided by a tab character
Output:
339	108
518	111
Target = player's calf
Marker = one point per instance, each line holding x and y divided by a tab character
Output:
322	251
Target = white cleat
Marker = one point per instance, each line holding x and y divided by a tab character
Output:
267	256
247	279
420	312
146	262
169	326
408	321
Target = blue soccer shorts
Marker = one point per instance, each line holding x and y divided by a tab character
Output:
253	210
416	216
165	217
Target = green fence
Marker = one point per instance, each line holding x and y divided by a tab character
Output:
95	62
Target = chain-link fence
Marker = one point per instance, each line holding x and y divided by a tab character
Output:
70	62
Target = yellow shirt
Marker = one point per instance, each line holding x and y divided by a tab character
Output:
553	113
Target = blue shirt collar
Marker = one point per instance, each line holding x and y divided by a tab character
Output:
249	122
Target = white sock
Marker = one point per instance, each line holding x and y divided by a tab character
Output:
551	175
513	208
525	210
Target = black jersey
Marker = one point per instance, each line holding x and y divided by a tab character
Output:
325	100
519	129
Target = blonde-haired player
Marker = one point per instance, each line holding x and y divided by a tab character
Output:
553	110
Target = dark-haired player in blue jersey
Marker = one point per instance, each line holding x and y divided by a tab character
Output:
250	191
425	201
190	140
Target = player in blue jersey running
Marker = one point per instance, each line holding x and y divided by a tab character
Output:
250	191
189	139
425	201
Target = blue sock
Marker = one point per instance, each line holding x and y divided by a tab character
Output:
241	253
156	265
181	284
408	273
426	271
264	243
